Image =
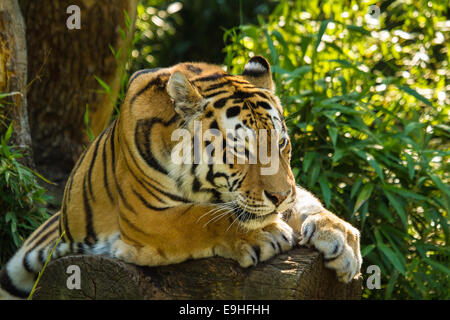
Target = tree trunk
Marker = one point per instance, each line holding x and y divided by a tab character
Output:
299	274
64	62
13	77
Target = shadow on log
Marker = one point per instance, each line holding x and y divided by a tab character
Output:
299	274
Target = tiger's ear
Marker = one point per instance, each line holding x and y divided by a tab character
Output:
257	71
184	94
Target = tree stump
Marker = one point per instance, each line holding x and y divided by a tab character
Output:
299	274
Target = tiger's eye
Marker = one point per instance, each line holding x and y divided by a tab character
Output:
282	143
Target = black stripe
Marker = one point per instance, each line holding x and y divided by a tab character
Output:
257	250
196	185
126	237
264	105
60	231
262	95
128	222
119	190
141	182
45	226
143	131
214	125
158	82
145	203
239	94
7	285
209	114
74	170
212	77
143	174
47	235
25	260
42	258
80	248
215	94
172	196
66	225
90	232
216	86
92	163
105	170
141	72
254	73
26	263
186	211
237	183
233	111
67	196
193	68
113	151
221	102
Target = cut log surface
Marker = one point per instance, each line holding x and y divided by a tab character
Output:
298	274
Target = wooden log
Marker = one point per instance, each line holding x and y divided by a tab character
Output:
299	274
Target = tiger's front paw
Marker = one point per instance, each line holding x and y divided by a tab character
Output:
261	245
337	240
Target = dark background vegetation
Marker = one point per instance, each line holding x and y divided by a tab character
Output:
366	100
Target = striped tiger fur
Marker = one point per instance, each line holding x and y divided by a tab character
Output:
128	199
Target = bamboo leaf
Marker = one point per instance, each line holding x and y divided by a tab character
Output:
307	160
437	181
103	84
322	28
437	265
363	196
326	192
355	188
390	255
414	93
395	202
333	131
367	249
8	133
410	166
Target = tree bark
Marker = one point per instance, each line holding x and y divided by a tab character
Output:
62	63
299	274
13	77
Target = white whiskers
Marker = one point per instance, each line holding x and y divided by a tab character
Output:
219	211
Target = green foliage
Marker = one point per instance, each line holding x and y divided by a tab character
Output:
88	129
122	56
22	200
4	112
366	106
188	30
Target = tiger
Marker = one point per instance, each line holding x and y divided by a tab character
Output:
128	197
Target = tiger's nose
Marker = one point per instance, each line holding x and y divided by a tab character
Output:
276	197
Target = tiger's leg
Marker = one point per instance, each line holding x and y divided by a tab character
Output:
336	239
192	232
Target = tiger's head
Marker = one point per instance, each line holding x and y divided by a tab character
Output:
232	147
